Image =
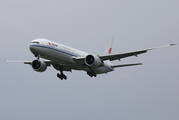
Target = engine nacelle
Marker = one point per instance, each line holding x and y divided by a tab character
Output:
39	66
93	61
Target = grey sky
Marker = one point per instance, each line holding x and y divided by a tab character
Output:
147	92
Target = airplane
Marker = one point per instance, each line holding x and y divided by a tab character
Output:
65	58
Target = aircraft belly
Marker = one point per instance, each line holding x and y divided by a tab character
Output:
55	55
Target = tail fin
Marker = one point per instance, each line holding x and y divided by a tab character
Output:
108	51
109	48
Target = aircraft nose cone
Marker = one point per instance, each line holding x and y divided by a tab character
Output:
33	49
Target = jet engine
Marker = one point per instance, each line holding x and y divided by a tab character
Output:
39	66
93	61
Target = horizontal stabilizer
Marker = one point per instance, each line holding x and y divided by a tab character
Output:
125	65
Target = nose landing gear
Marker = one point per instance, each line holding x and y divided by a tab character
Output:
61	75
37	56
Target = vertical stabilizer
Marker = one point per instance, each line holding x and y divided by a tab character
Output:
109	48
109	51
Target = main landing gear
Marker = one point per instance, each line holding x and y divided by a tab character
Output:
91	73
61	75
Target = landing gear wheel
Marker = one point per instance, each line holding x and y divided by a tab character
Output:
91	74
61	76
65	77
95	75
58	75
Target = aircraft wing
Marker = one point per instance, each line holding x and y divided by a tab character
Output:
25	62
119	56
48	62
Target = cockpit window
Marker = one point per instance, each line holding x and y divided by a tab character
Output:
35	42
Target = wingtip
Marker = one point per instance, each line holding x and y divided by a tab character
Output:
172	44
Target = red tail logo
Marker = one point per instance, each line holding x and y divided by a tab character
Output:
109	51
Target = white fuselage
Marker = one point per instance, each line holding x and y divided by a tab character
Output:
63	55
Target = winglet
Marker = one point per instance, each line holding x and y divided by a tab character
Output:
161	47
